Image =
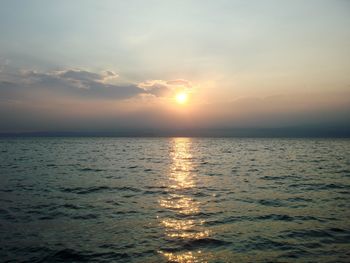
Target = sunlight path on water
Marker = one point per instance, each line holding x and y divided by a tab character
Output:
183	225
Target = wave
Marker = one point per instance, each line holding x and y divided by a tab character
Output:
204	243
89	190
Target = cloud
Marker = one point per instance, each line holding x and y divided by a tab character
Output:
180	82
82	84
70	83
81	75
158	88
162	88
109	75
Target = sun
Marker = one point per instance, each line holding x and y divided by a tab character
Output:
181	98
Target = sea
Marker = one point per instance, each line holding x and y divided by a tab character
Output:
174	200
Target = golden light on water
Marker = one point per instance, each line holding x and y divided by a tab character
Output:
184	224
181	204
188	257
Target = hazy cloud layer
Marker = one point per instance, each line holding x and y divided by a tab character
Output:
82	100
81	83
78	83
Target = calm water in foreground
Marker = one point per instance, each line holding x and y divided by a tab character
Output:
174	200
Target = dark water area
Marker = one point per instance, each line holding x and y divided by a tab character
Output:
174	200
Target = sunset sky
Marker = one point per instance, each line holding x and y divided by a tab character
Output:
105	66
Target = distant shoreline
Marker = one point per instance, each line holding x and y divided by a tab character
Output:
169	135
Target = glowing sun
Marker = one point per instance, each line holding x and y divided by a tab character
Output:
181	98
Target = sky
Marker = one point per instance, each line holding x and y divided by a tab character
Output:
112	66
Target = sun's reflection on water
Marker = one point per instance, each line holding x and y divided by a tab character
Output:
183	224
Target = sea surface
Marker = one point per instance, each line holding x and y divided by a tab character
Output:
174	200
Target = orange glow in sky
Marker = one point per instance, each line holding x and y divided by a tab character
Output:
181	98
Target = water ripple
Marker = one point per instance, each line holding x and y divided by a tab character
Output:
174	200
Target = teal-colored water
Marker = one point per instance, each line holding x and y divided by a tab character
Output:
174	200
